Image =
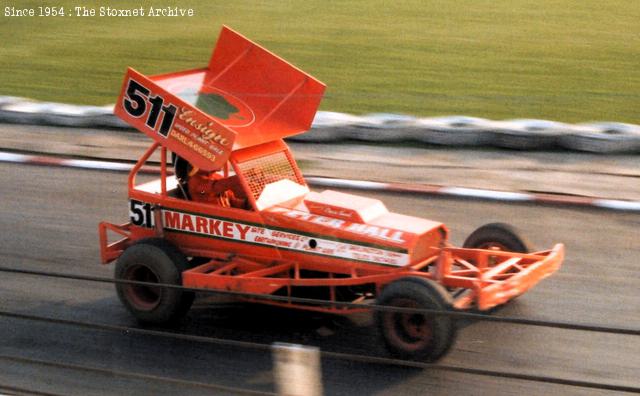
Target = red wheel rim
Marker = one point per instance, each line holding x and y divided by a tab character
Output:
493	260
408	331
492	246
142	297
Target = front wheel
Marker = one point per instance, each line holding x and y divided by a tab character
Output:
153	261
416	336
498	236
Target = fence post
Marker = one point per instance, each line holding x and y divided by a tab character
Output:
297	370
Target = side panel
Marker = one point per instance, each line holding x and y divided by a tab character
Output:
195	226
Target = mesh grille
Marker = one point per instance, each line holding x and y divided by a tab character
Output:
259	172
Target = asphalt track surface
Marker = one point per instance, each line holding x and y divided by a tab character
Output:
48	221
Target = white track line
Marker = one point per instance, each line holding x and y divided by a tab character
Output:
617	204
100	165
11	157
344	183
487	194
451	191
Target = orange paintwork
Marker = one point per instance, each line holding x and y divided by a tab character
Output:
284	236
246	96
386	248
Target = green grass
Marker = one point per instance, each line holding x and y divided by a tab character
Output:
573	60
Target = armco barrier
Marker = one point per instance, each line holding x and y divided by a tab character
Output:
597	137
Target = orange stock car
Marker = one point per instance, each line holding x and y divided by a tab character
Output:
236	214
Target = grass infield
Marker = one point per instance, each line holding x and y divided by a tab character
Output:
572	60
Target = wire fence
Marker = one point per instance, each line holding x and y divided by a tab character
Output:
318	302
128	331
122	374
17	390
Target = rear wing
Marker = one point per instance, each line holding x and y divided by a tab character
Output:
246	96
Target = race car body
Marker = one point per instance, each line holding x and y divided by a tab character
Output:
236	214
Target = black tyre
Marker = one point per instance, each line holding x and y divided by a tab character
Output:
416	336
498	236
154	261
182	168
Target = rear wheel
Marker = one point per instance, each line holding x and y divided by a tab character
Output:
498	236
153	261
416	336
